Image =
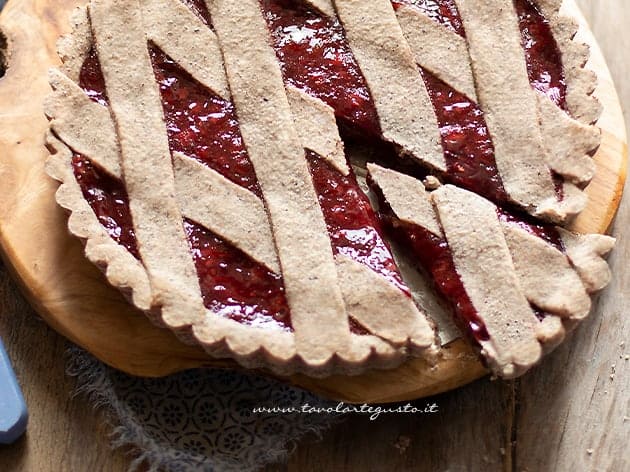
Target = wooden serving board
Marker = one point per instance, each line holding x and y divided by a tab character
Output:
72	295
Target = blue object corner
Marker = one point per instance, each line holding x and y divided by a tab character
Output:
13	413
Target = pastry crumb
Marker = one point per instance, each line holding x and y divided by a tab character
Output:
431	182
402	444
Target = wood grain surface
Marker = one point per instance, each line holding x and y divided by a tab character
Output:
567	414
69	292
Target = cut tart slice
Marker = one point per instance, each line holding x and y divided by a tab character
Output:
512	283
199	146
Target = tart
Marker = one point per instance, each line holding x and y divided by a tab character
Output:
204	155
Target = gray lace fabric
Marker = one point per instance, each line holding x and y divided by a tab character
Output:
198	420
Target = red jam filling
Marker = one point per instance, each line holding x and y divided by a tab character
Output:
466	141
235	286
201	124
315	57
200	9
353	226
544	60
91	79
232	284
109	200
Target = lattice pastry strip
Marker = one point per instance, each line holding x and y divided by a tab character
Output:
511	109
137	111
349	288
403	105
516	285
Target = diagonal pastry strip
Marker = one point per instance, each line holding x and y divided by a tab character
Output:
137	112
275	150
364	291
438	49
316	125
509	104
403	105
504	269
183	47
482	260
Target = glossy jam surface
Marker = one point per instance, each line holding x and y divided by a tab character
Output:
109	200
233	285
353	226
91	79
315	57
544	61
200	8
202	125
466	141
